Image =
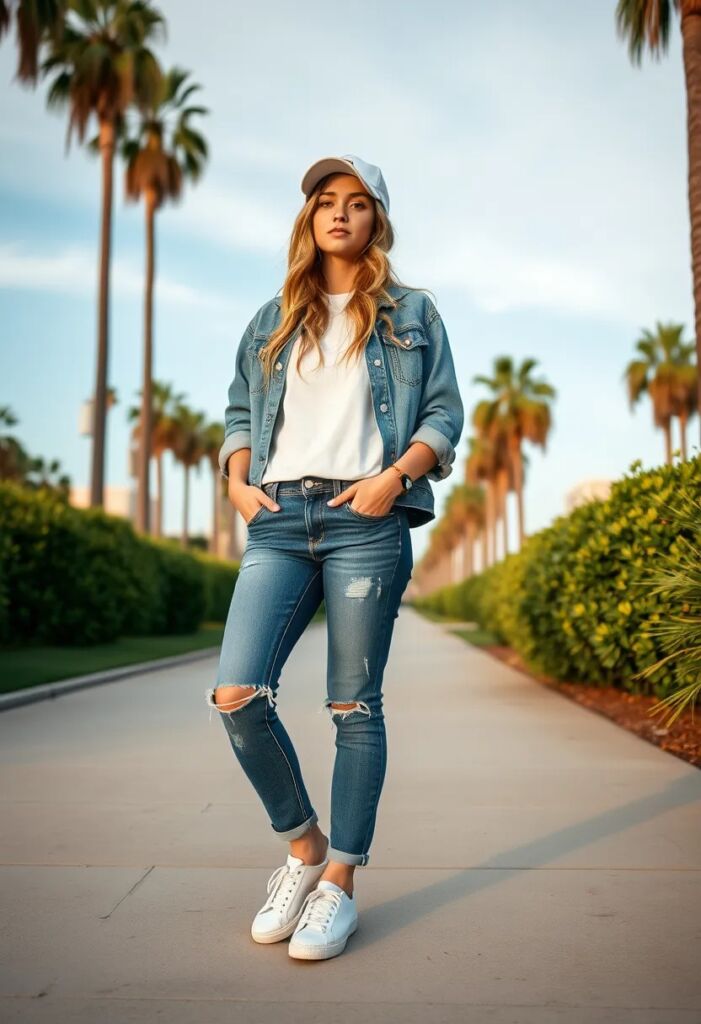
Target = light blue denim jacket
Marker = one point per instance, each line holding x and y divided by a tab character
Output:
414	390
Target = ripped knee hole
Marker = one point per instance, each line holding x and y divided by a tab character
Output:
227	707
345	708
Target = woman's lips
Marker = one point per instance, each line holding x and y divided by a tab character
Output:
338	231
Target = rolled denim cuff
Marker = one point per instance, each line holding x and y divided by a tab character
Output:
441	445
232	443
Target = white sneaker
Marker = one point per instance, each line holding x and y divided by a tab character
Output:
288	886
329	917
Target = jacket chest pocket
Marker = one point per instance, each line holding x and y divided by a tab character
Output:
256	376
406	359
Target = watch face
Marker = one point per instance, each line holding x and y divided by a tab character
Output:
407	481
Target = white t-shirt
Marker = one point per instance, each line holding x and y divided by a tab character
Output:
326	422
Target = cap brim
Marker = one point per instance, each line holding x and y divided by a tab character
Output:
325	166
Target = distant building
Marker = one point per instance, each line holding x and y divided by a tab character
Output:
587	490
117	501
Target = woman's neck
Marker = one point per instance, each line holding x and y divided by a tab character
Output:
338	274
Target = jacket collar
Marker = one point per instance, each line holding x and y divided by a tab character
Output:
396	291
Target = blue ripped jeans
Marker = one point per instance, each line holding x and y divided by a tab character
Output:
360	565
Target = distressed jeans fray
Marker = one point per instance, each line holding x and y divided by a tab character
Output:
360	566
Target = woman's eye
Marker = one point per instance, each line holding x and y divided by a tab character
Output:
327	202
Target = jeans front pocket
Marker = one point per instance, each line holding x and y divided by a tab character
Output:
366	518
256	515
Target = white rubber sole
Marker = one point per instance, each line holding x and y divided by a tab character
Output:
281	933
320	952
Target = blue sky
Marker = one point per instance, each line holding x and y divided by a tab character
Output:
538	189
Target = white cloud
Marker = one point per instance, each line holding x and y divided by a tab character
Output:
72	270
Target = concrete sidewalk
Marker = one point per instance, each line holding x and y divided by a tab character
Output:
532	862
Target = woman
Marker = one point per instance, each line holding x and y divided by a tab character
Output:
343	405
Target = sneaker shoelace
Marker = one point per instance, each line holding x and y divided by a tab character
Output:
320	907
281	885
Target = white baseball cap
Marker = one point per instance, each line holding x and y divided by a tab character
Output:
369	174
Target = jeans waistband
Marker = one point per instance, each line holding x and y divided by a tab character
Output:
307	486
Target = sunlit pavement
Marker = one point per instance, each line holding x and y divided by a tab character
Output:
532	862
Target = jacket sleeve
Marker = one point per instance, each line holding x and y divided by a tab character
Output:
441	413
237	417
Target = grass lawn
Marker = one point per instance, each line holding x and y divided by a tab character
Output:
31	665
478	637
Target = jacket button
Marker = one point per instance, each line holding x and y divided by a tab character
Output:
383	407
407	341
377	362
278	366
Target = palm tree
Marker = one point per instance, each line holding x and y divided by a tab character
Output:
103	67
40	474
18	465
34	24
14	459
667	375
163	433
472	499
648	23
685	397
460	510
157	161
213	440
481	466
188	448
517	412
435	564
165	402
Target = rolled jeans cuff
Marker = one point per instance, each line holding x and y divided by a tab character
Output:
347	858
298	830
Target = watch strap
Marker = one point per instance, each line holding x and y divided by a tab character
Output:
402	474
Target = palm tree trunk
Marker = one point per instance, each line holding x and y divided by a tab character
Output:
216	478
159	500
143	505
691	47
231	527
186	504
668	441
504	511
97	481
518	475
491	522
470	560
682	434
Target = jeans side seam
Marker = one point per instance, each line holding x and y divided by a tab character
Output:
291	619
382	742
287	762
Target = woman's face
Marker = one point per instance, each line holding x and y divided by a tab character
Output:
345	204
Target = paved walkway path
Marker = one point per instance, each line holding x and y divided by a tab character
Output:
532	862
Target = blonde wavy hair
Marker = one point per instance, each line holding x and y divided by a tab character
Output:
303	290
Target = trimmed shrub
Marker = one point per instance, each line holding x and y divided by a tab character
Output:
220	580
573	601
81	576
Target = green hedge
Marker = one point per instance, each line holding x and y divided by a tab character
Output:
574	601
81	576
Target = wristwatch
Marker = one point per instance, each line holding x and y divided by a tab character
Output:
407	482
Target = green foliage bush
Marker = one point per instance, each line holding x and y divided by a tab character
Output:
573	601
81	576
